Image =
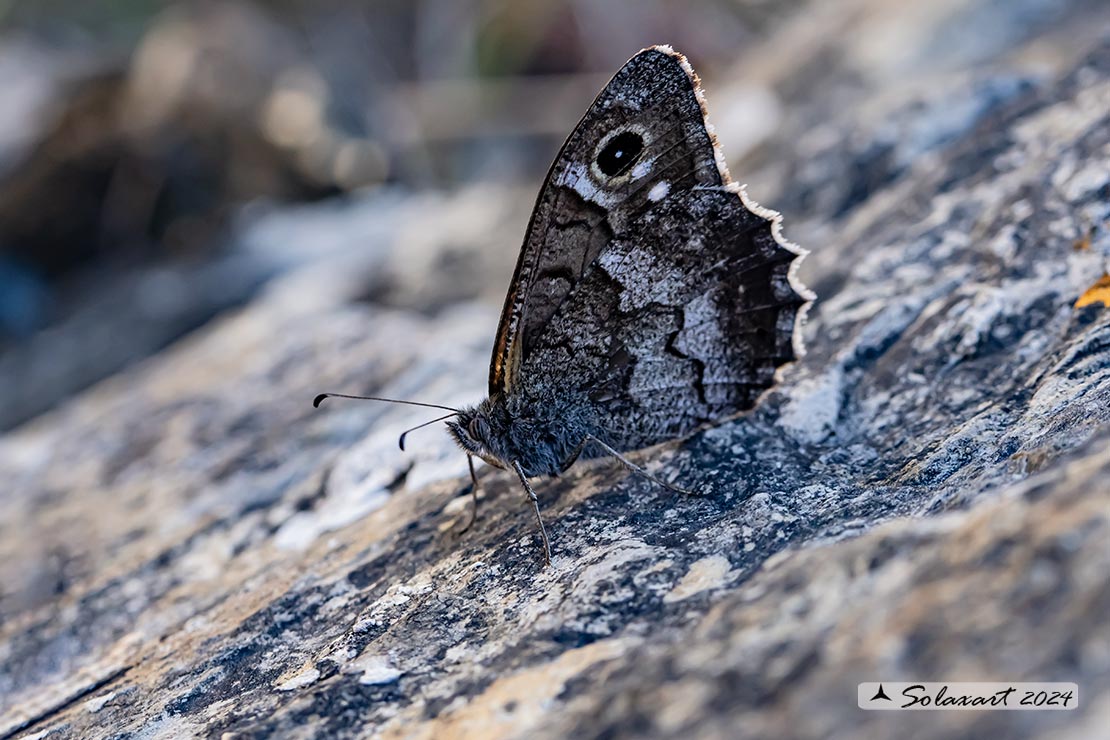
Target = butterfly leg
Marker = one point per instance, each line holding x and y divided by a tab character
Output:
633	467
536	506
473	496
577	451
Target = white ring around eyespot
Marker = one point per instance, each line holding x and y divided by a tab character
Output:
636	171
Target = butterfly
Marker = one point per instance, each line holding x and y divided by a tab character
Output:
651	297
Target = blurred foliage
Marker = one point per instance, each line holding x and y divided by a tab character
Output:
135	132
119	21
436	38
165	117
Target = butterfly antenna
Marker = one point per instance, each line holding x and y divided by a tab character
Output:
401	439
320	399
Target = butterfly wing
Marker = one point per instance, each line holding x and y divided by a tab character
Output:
681	321
661	293
645	127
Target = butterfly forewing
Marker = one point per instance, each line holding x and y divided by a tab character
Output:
645	283
649	115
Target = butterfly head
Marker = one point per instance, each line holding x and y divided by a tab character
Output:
474	430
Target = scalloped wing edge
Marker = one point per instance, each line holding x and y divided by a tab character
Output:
774	217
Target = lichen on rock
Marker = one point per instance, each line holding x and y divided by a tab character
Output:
190	549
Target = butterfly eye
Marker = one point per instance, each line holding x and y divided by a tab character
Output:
618	155
477	429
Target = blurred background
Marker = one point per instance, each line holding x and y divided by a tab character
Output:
153	155
137	137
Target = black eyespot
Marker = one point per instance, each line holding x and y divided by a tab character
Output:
619	154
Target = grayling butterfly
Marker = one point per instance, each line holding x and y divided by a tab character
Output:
650	297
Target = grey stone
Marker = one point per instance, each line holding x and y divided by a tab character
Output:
190	549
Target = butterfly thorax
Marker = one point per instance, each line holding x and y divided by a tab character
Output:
543	432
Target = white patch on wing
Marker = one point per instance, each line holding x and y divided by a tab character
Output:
642	169
659	191
577	178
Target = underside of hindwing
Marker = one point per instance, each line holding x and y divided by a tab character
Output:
648	282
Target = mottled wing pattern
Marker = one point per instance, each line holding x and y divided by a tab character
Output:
654	290
580	211
681	321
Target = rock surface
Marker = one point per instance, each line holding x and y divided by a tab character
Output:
190	549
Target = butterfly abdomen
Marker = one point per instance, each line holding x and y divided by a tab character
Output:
547	425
